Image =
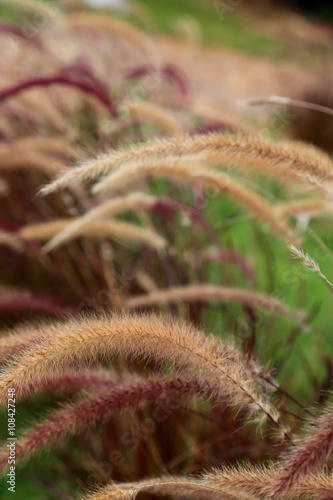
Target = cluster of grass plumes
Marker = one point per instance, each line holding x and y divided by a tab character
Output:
181	159
203	366
154	338
311	451
166	217
285	160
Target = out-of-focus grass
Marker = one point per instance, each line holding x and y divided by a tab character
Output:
9	14
228	29
218	27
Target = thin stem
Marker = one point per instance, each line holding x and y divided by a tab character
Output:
293	415
278	100
287	395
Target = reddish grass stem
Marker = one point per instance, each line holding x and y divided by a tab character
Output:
281	391
63	79
169	71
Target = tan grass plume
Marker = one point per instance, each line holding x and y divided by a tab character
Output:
246	197
105	209
157	114
205	292
112	25
290	160
309	454
201	357
261	481
122	231
165	486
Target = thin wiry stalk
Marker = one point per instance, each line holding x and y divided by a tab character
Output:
86	411
225	255
159	115
118	230
193	354
124	177
109	273
167	208
285	160
205	292
309	453
281	100
106	209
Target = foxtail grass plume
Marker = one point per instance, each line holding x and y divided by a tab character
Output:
192	353
170	486
122	231
158	115
289	160
309	454
309	262
206	292
191	173
104	210
111	25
